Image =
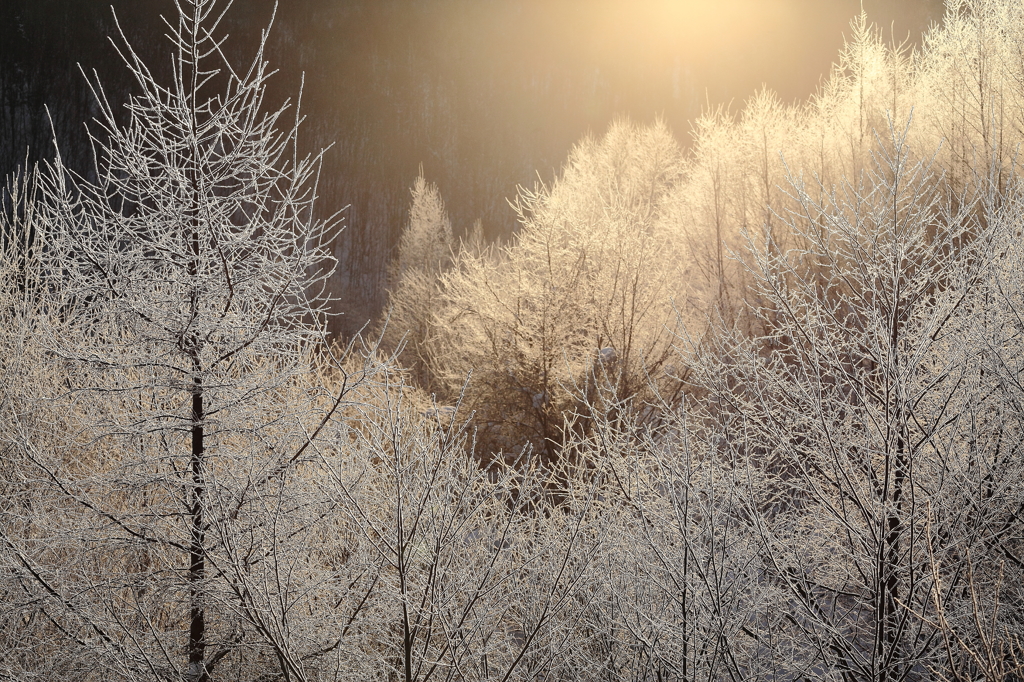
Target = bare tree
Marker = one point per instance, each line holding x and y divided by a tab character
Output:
480	578
178	306
679	591
858	404
589	279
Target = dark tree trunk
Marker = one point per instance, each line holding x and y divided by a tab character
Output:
197	612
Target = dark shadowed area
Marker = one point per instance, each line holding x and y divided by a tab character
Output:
485	94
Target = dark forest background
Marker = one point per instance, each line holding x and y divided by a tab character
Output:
486	95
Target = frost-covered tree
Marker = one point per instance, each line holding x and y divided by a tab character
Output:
424	253
426	243
169	407
476	579
963	85
586	289
865	406
980	610
678	592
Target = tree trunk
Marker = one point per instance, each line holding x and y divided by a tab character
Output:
197	612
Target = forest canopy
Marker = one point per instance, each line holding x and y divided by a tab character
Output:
747	410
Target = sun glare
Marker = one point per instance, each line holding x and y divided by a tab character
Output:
731	46
693	26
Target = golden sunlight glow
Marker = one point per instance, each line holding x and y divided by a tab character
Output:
729	45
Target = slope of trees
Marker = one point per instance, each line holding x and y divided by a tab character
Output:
586	289
484	95
752	413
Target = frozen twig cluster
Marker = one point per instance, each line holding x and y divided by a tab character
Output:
741	416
